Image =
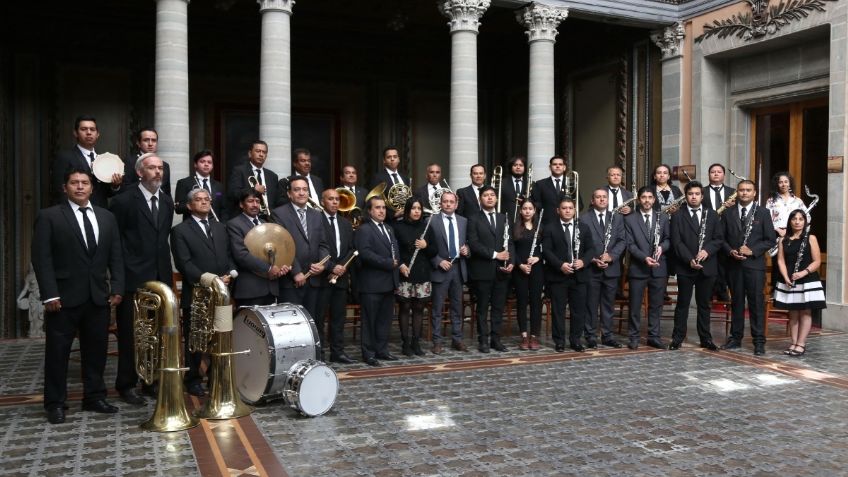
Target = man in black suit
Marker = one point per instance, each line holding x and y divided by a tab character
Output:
490	267
604	269
82	157
333	296
449	271
647	242
391	175
716	196
469	196
616	192
264	180
310	240
257	282
201	179
74	245
696	237
302	164
200	245
514	186
433	188
567	247
547	192
144	216
748	235
348	179
146	142
378	255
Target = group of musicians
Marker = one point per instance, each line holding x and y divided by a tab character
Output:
523	235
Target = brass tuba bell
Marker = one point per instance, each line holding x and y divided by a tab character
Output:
347	206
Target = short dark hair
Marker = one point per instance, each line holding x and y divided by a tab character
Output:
138	133
485	188
255	142
202	153
566	198
476	166
389	148
247	193
299	151
644	189
551	160
291	179
82	118
691	185
747	181
513	160
76	170
369	204
615	166
716	164
775	191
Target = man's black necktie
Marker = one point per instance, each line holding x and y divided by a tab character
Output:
91	157
492	221
451	238
695	217
717	200
614	193
255	222
517	186
258	174
558	189
744	214
601	221
206	185
333	230
386	233
394	177
90	240
206	227
154	210
648	222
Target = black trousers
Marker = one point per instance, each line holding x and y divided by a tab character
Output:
305	296
656	291
600	301
703	287
490	294
334	300
528	290
375	321
92	324
572	294
126	377
747	284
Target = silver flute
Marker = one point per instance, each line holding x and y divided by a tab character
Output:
415	253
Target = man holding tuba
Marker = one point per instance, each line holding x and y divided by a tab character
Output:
199	245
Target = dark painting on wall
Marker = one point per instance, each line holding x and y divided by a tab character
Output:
318	132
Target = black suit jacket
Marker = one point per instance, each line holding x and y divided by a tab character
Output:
73	159
377	273
684	239
186	184
762	237
284	187
144	238
252	281
556	251
483	242
640	244
708	195
625	196
239	182
338	257
196	254
307	250
61	261
469	201
617	244
508	195
546	196
132	179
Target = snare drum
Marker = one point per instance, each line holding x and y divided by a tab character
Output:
311	387
278	336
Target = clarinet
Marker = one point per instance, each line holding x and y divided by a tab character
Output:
805	236
576	251
749	224
608	232
536	235
415	253
657	235
506	241
702	232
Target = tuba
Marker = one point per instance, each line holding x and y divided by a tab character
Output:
157	343
212	320
347	206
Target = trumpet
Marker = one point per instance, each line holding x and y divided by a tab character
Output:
264	209
497	176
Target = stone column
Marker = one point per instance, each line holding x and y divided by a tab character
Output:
670	42
170	103
275	83
464	22
541	22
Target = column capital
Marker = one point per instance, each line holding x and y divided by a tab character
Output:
541	21
464	15
670	41
275	6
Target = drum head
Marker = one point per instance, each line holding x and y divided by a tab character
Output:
318	389
252	369
105	165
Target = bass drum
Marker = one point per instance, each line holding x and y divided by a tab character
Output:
311	387
278	336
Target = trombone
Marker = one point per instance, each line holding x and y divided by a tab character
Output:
497	179
263	200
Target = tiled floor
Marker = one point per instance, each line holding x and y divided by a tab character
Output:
611	412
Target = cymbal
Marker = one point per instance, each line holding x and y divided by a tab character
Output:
274	238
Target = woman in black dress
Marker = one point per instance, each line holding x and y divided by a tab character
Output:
528	277
799	289
413	293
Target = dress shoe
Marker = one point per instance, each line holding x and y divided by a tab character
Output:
759	349
387	357
634	345
99	405
591	344
560	348
658	344
675	345
612	344
56	415
709	345
437	348
341	358
416	347
459	346
732	344
131	396
534	343
498	346
406	349
372	362
196	389
525	343
151	390
483	348
578	347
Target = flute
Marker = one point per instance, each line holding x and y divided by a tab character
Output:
322	262
423	234
334	278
